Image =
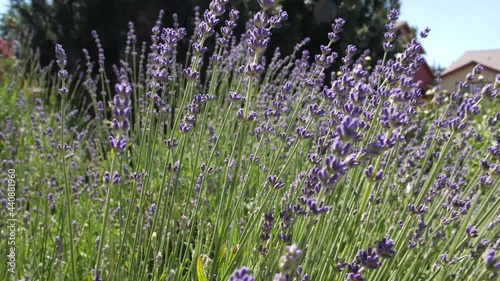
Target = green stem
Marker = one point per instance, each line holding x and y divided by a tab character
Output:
105	219
67	189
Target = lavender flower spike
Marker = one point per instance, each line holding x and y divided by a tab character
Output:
266	4
61	56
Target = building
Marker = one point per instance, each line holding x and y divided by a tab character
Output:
457	71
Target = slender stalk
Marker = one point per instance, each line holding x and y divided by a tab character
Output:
104	219
67	189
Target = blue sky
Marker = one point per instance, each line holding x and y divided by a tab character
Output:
3	5
456	26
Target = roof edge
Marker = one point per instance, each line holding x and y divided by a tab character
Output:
461	67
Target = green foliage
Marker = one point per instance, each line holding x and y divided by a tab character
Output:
318	171
71	22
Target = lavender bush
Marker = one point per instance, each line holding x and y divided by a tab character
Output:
250	170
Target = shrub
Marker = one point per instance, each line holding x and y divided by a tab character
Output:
259	172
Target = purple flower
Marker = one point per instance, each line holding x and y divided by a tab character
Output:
492	262
242	274
274	182
338	25
369	259
348	129
471	231
486	181
425	33
171	143
191	74
50	199
349	53
354	277
393	15
303	133
266	4
61	56
97	276
106	177
253	69
211	18
335	165
385	248
379	175
234	15
420	210
118	143
316	208
261	21
387	46
116	177
185	128
218	7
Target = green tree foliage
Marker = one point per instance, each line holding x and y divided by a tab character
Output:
365	23
70	22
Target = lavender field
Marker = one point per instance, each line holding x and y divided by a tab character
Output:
234	167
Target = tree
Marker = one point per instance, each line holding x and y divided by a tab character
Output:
70	22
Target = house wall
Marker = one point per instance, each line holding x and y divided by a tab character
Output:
424	74
450	81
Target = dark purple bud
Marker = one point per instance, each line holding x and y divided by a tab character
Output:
387	46
63	91
191	74
471	231
369	171
385	248
97	276
335	166
485	181
171	143
338	24
241	114
379	175
106	177
118	143
125	126
333	37
425	33
217	8
242	274
234	96
492	262
393	15
116	178
252	115
283	15
253	69
234	15
369	259
261	20
63	74
302	133
123	89
420	210
184	127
